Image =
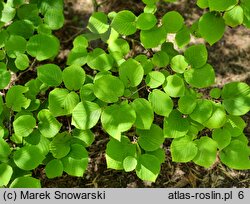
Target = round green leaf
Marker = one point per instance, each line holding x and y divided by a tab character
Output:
86	115
145	62
28	157
50	74
62	102
215	93
25	182
7	12
54	18
222	137
60	145
160	59
202	3
4	150
108	88
175	125
154	79
221	5
187	104
179	64
54	169
76	162
119	45
200	78
151	139
84	137
6	172
100	60
73	77
183	149
129	163
161	102
202	111
43	46
98	23
154	37
131	73
234	16
124	23
144	113
117	119
22	28
5	77
182	37
22	61
236	155
87	92
196	55
15	45
211	27
77	56
235	125
207	150
174	86
146	21
148	167
24	125
172	21
48	125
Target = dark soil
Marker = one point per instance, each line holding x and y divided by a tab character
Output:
231	60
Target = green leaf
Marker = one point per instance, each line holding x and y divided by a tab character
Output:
146	21
15	45
84	137
48	125
117	119
154	79
234	16
24	125
182	37
144	113
200	78
174	86
5	76
15	98
150	2
187	104
236	155
100	60
183	149
22	28
159	154
43	46
62	102
153	38
119	45
25	182
160	59
161	102
60	145
50	74
86	115
87	92
7	12
54	18
236	98
4	150
108	88
148	167
145	62
131	73
118	151
98	23
6	172
207	150
215	93
77	56
235	125
196	55
172	21
179	64
76	162
152	139
28	157
124	22
202	4
175	125
54	168
222	137
202	111
129	163
73	77
221	5
211	27
218	117
22	61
